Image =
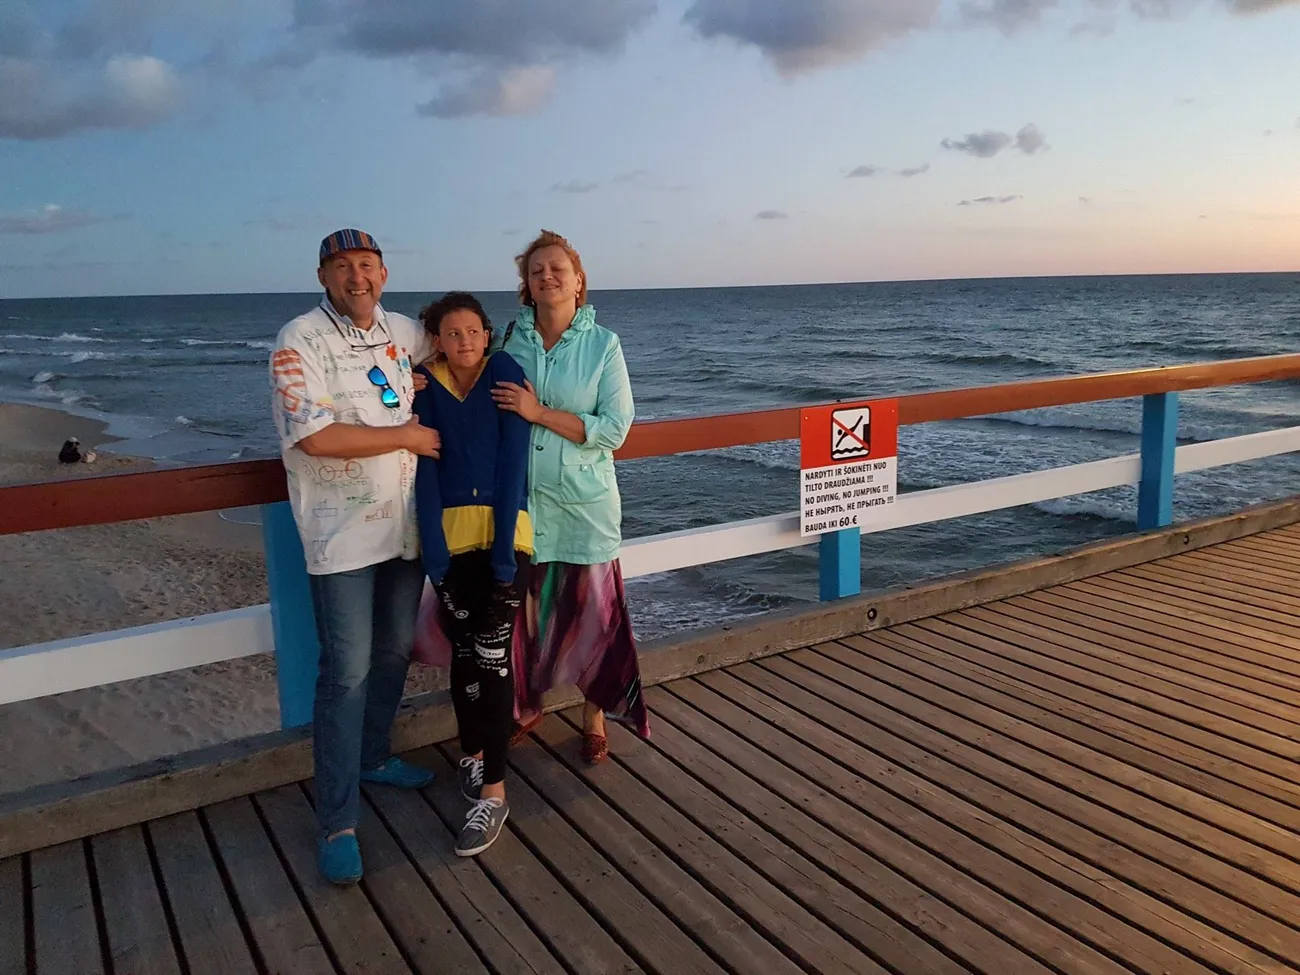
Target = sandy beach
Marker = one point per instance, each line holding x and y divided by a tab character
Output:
75	581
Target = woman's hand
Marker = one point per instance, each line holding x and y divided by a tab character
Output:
419	380
519	399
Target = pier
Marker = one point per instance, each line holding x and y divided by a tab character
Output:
1080	763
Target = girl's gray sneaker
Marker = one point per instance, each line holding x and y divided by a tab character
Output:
482	826
470	774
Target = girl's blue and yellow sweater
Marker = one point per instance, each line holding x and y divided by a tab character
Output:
475	496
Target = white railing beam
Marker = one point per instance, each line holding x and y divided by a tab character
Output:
105	658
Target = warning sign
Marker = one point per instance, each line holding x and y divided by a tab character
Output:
848	459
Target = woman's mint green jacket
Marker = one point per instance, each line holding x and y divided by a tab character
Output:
573	497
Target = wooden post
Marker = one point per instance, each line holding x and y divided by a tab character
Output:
840	556
293	620
1159	440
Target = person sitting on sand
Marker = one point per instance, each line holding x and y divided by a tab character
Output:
477	544
71	452
342	394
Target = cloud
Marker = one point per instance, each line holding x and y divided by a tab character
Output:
1008	16
631	177
501	56
575	186
865	172
1258	6
987	144
49	219
809	34
1030	139
512	91
48	99
993	200
771	215
1085	201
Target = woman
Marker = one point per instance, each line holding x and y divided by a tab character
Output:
475	539
576	627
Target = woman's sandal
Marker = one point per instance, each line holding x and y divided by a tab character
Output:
522	731
595	749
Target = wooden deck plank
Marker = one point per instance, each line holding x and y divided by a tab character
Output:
1244	551
491	924
416	920
1196	821
13	917
1218	894
210	935
282	933
1279	607
1103	700
1126	656
1233	568
1043	655
822	924
871	753
1223	624
139	937
351	931
1244	708
644	930
1263	581
716	927
551	909
1149	751
905	879
1151	779
1157	643
1130	599
984	884
63	912
1186	593
1283	542
1233	649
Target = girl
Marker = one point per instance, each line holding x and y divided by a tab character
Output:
476	540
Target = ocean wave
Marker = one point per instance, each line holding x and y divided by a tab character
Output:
239	343
1187	432
45	376
64	337
88	356
989	359
1083	507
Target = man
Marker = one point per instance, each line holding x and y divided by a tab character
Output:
342	393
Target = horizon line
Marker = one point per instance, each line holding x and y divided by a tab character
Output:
706	287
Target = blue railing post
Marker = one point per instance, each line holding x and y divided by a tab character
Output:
1159	441
840	555
293	621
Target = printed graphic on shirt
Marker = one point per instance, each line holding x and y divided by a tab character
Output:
291	385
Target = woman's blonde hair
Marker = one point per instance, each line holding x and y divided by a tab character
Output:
548	238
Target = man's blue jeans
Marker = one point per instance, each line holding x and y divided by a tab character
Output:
366	622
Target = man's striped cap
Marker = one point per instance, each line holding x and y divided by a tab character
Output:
347	240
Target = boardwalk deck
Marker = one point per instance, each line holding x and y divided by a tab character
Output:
1099	777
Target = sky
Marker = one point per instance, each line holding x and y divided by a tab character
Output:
205	146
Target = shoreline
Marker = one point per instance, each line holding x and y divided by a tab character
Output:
99	578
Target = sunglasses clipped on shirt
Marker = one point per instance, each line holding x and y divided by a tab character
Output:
386	394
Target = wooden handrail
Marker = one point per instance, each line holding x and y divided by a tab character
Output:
151	494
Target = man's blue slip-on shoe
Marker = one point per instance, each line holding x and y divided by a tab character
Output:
396	772
340	859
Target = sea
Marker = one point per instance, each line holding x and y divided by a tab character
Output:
184	379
